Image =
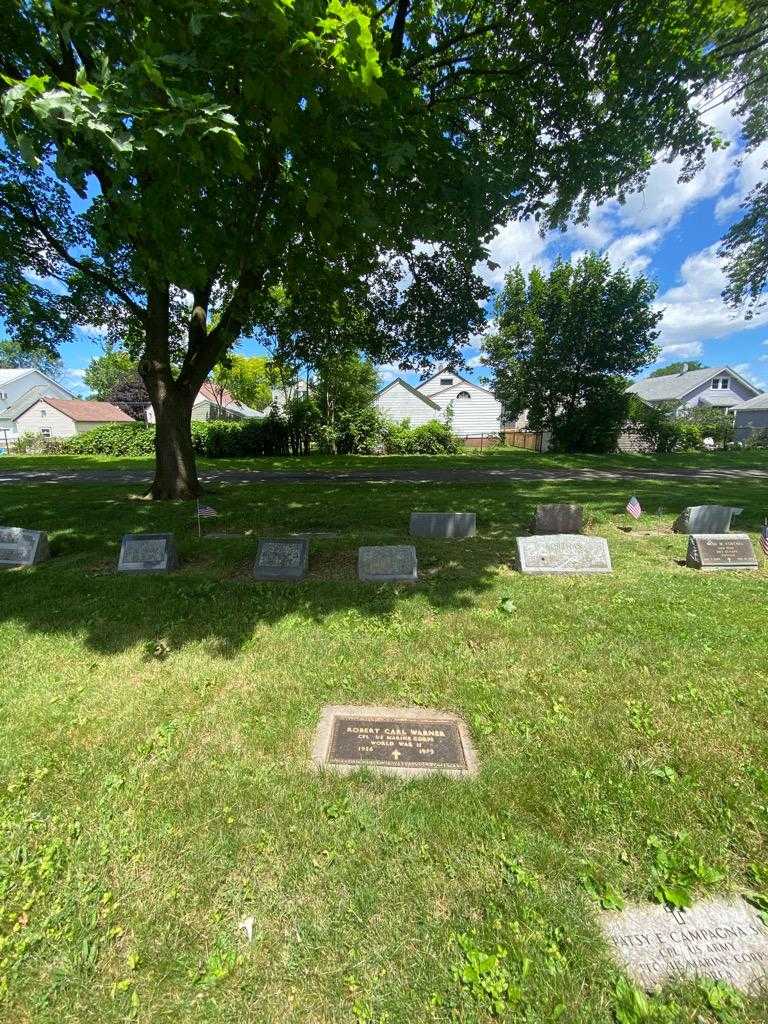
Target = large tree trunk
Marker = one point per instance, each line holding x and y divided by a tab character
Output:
175	469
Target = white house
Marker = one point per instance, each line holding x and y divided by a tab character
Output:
64	417
18	390
214	403
475	410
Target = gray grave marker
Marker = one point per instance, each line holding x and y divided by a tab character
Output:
148	552
705	519
562	518
389	564
393	741
719	939
563	553
282	559
22	547
444	525
717	552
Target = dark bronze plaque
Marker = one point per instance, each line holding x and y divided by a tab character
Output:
396	743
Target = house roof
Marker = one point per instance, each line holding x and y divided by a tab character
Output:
413	391
9	375
88	412
758	402
677	385
215	394
720	399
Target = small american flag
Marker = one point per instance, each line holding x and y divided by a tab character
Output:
206	512
764	538
634	508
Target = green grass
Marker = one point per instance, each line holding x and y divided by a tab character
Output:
156	735
512	458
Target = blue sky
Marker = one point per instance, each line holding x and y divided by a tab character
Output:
669	231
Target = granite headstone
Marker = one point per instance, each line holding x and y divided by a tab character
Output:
282	559
148	552
719	939
393	741
22	547
558	518
717	552
443	525
394	563
705	519
563	553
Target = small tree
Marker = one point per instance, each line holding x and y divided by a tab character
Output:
345	390
246	378
104	373
130	394
564	345
671	368
719	424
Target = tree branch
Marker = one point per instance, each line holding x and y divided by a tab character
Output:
398	28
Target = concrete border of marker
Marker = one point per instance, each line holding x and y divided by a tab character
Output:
333	713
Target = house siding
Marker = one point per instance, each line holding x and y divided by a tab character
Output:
41	415
474	416
34	385
749	422
398	403
735	390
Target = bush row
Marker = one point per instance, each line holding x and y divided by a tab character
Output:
270	436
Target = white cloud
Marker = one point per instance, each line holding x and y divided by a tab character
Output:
763	359
75	374
90	330
519	241
750	172
695	309
671	353
627	250
388	372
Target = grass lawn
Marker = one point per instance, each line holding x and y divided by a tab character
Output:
156	733
512	458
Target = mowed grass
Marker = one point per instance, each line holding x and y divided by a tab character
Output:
156	735
470	458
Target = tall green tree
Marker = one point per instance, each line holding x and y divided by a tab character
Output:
345	390
246	378
168	167
105	372
15	356
745	246
565	344
672	368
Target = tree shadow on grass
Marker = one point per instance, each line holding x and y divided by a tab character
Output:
213	598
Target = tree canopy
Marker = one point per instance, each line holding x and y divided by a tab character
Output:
565	344
679	367
15	356
105	372
246	378
172	170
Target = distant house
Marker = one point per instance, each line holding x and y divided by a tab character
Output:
721	387
65	417
475	411
18	389
751	417
214	403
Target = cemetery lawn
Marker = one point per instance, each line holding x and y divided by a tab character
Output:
156	734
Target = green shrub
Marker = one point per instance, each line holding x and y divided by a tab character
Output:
757	440
35	444
664	432
432	438
119	439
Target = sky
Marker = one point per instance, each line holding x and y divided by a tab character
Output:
669	231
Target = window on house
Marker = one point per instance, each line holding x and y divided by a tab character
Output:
724	382
45	431
463	394
445	382
715	383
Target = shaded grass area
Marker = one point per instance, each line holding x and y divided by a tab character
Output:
156	733
499	457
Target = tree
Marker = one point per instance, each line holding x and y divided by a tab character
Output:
104	373
246	378
672	368
14	356
345	391
130	394
168	168
745	245
565	345
714	422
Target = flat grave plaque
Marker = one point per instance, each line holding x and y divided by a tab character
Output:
444	525
394	563
282	559
393	741
560	518
22	547
720	939
148	552
563	553
705	519
718	552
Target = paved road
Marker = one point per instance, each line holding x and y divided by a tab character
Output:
464	475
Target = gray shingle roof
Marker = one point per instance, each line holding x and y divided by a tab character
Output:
672	386
758	402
